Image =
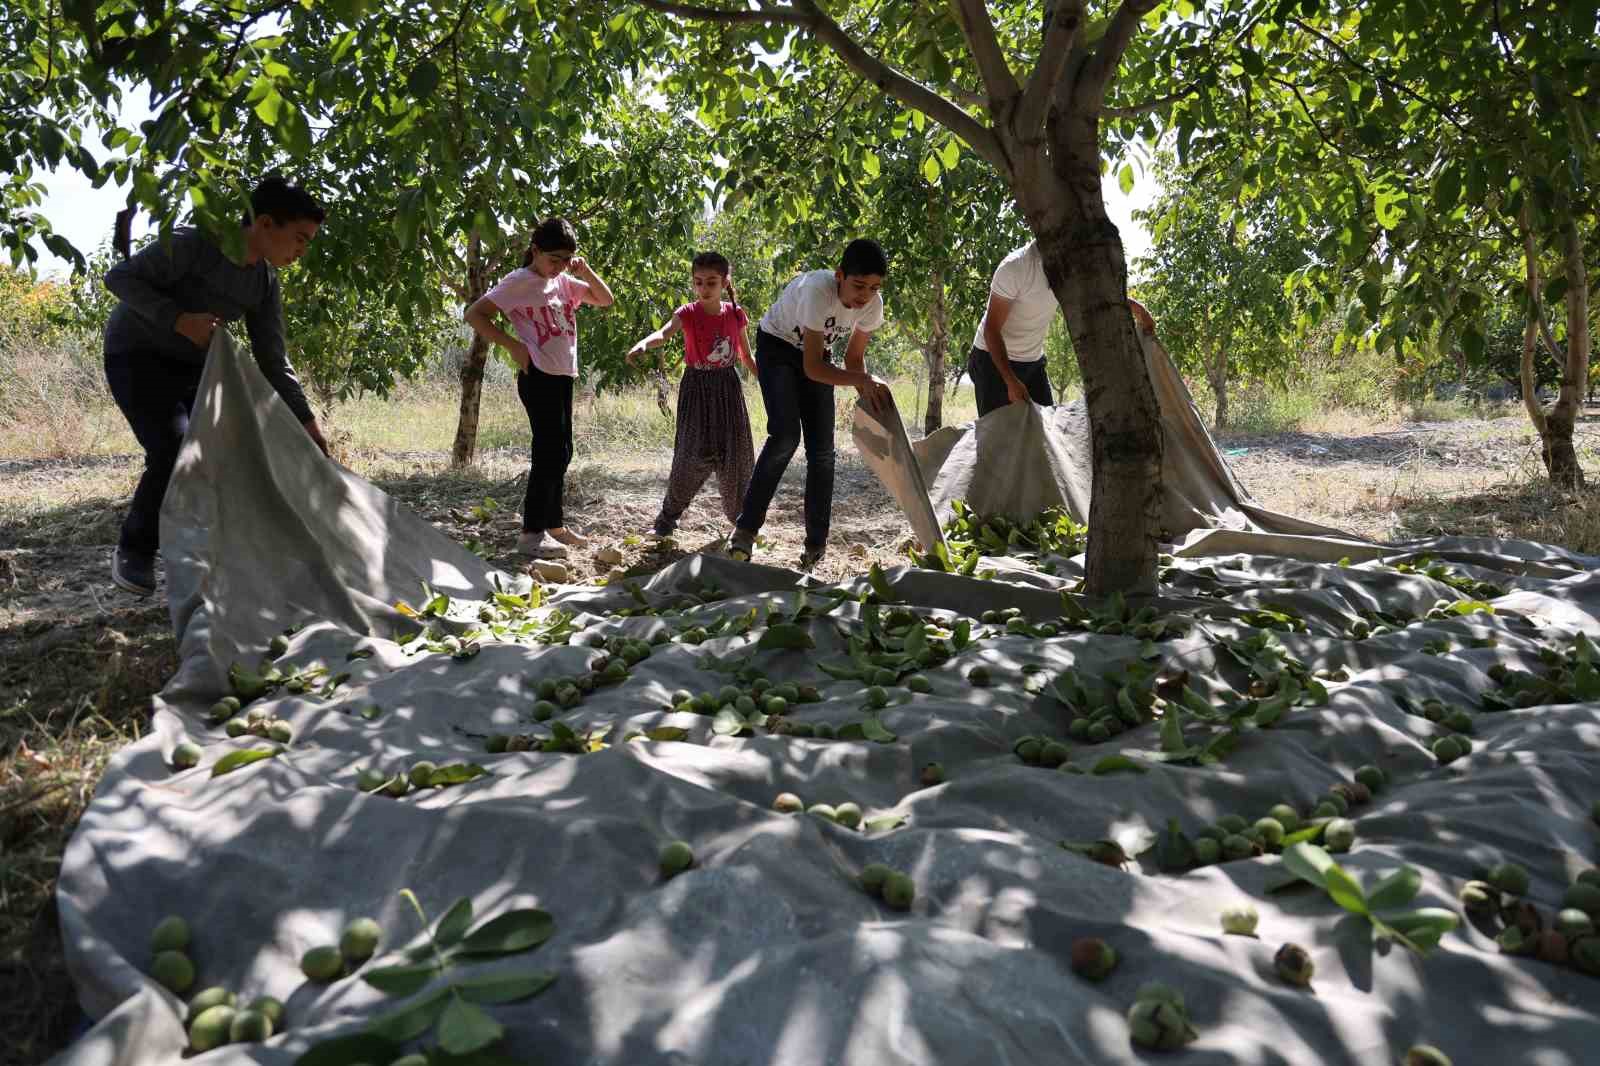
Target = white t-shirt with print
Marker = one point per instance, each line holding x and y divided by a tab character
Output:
1020	279
544	314
811	301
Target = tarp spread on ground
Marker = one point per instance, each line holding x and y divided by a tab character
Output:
1277	678
1022	459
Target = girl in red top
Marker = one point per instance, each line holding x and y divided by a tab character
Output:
713	425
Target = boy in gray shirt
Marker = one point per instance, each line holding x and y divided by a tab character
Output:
172	296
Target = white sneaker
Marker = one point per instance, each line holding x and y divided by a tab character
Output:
570	537
539	545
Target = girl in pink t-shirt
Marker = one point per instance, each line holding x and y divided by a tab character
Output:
713	433
541	301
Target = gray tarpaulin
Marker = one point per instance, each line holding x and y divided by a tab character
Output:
766	952
1022	458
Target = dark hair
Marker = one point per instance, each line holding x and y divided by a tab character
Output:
718	262
283	202
551	235
863	256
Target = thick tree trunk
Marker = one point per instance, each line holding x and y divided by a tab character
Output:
935	353
1084	262
465	448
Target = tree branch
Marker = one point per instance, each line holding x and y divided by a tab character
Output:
806	15
1102	65
976	26
1063	23
1390	82
785	16
1135	110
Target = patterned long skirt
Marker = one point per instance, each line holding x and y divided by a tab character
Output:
713	437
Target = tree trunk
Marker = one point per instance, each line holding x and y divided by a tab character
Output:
465	448
1217	375
1084	262
1563	417
934	354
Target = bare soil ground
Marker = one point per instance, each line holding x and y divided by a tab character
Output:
79	659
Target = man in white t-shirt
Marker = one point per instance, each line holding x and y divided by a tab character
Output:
797	380
1007	359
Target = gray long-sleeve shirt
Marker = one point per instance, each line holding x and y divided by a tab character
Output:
190	274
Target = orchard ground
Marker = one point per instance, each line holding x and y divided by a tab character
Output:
81	659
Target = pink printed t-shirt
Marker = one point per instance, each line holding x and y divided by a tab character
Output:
544	315
709	340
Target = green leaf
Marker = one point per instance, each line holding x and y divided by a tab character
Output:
410	1021
344	1050
884	822
1396	890
1308	862
950	155
454	923
668	732
235	759
464	1027
879	583
505	988
1112	764
423	79
408	218
1344	889
786	635
728	723
270	104
1252	63
1172	731
509	933
870	163
1125	179
457	773
1429	923
402	980
1307	834
874	730
930	170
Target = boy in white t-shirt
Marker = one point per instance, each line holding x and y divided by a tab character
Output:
1007	359
797	379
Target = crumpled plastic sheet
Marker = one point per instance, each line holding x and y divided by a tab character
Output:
767	951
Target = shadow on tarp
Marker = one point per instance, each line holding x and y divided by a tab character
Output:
767	951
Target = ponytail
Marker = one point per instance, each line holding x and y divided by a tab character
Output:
732	295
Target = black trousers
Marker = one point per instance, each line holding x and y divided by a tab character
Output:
156	396
990	388
548	400
797	409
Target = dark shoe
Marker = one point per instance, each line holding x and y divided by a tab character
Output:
741	545
812	556
664	529
136	573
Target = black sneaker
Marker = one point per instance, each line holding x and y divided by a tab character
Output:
741	545
812	556
136	573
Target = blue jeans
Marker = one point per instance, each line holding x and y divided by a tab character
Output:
156	396
797	409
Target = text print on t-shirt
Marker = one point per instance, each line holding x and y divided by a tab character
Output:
553	319
831	332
